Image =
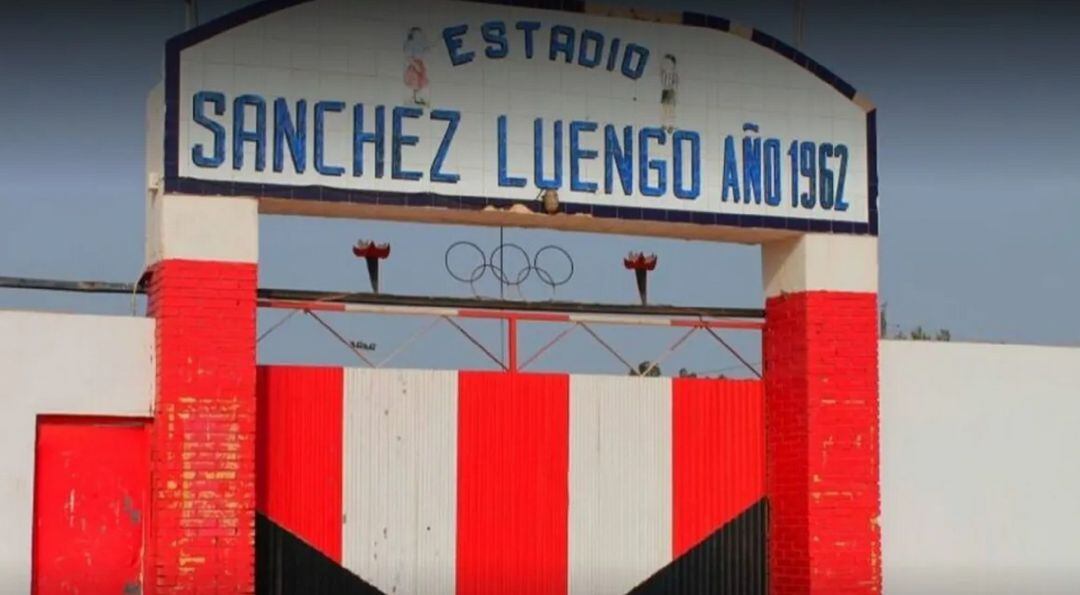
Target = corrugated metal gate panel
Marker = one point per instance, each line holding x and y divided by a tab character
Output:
298	453
731	561
401	479
620	482
286	565
481	483
719	454
513	444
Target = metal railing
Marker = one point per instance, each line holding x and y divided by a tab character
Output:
584	320
711	321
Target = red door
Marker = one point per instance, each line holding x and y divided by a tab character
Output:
90	489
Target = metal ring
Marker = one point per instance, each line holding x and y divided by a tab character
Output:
500	274
477	273
545	275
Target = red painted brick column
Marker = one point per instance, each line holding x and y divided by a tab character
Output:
821	416
202	523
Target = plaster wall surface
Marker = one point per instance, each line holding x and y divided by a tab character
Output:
979	479
59	364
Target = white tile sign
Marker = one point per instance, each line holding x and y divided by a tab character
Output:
465	105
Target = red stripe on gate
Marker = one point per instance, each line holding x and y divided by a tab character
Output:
513	483
719	455
299	452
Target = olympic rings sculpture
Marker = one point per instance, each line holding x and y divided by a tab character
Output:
496	263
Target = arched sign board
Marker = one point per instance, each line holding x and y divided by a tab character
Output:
666	124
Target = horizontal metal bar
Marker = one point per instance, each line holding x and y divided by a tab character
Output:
666	321
463	303
69	286
655	320
522	316
330	299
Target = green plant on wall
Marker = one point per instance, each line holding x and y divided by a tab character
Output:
916	334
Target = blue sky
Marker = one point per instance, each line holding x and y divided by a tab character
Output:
979	167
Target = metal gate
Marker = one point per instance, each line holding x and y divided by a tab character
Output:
429	482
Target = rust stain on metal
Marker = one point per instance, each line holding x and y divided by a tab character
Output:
134	514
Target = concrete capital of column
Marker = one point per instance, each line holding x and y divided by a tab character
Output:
820	262
208	228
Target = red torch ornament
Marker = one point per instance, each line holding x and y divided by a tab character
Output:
641	264
372	253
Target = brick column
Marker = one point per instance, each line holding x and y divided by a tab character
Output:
821	395
202	517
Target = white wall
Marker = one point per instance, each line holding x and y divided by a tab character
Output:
980	468
980	477
59	364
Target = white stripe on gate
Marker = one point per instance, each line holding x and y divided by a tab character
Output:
620	482
400	484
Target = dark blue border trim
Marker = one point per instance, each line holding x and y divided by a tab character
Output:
808	63
175	184
871	170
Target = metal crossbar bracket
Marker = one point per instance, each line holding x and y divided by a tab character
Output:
511	363
441	307
408	342
675	346
732	350
338	336
478	344
609	348
550	344
277	325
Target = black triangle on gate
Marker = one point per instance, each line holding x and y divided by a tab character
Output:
286	565
731	561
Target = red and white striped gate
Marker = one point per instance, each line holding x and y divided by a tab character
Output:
444	482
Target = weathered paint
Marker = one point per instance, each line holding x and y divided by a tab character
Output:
620	482
46	368
203	443
299	452
719	455
400	489
90	492
821	382
513	443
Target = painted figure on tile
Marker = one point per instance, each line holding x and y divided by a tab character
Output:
669	79
416	76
